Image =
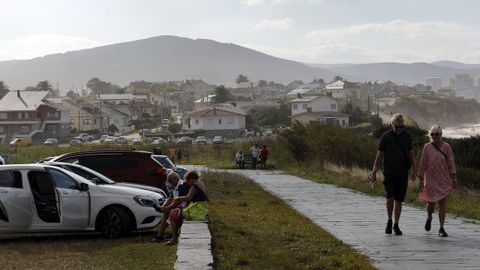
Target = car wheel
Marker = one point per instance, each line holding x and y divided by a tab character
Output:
113	222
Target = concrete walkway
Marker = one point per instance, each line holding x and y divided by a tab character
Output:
359	220
194	247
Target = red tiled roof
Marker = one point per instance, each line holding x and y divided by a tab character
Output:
213	112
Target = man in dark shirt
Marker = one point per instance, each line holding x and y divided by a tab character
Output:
395	151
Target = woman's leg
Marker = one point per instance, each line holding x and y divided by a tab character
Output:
174	227
430	209
442	211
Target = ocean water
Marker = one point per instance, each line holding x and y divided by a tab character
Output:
461	131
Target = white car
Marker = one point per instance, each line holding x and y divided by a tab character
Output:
201	140
2	160
44	198
218	139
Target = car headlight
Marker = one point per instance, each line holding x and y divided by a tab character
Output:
144	201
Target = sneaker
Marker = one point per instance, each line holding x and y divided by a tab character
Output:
388	229
442	233
428	225
397	229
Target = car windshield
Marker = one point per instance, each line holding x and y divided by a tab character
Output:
88	174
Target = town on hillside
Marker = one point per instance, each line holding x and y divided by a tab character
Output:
244	108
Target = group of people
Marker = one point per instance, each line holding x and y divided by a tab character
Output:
180	194
436	173
259	156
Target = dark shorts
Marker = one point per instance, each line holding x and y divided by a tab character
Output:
395	186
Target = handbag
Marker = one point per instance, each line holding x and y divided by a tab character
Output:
196	211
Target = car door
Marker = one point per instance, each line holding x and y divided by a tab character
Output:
74	203
15	201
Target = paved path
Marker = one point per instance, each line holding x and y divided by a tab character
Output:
359	220
194	247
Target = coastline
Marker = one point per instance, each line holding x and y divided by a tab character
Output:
461	131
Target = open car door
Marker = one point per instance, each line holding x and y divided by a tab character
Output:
15	201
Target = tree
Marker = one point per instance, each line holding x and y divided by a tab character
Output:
271	116
222	94
44	86
241	78
338	78
175	127
101	87
3	89
262	83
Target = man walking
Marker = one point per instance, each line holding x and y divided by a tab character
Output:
395	152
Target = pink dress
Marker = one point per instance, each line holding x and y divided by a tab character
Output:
435	168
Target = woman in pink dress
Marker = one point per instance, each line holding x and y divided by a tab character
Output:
437	176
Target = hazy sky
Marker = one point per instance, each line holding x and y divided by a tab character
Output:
314	31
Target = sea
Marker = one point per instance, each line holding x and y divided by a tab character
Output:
461	131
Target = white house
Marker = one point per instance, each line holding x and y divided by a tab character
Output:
306	89
220	120
323	109
336	88
314	104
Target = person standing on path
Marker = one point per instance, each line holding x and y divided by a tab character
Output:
172	153
262	156
437	177
395	152
255	151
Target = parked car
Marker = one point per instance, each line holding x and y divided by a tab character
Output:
2	160
110	140
137	141
201	140
159	141
75	142
84	137
121	165
101	179
121	140
169	165
218	139
50	141
103	137
44	198
21	141
185	140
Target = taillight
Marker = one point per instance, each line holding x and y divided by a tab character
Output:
161	171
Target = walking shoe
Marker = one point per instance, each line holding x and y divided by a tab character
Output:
428	225
442	233
388	229
397	229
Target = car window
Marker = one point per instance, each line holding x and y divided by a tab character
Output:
87	175
138	163
12	179
62	180
164	161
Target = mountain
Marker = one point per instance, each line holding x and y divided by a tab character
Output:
456	65
162	58
409	74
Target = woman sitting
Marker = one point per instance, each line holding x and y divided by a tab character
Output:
196	193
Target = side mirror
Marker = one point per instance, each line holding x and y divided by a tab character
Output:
83	187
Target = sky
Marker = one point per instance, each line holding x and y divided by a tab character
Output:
310	31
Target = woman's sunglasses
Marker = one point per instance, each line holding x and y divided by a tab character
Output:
434	134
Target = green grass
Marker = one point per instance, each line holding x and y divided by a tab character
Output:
252	229
84	251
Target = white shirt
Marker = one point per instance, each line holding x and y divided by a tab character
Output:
254	151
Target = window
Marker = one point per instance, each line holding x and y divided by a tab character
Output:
219	121
333	106
62	180
24	115
295	106
71	121
87	121
305	106
2	130
231	121
53	115
11	179
3	115
196	121
24	129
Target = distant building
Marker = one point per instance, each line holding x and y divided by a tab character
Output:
434	82
220	120
463	85
323	109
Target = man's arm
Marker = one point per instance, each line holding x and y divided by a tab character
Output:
376	165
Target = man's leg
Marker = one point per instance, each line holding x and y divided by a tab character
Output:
254	162
389	205
398	211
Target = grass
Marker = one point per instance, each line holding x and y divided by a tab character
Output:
84	251
252	229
